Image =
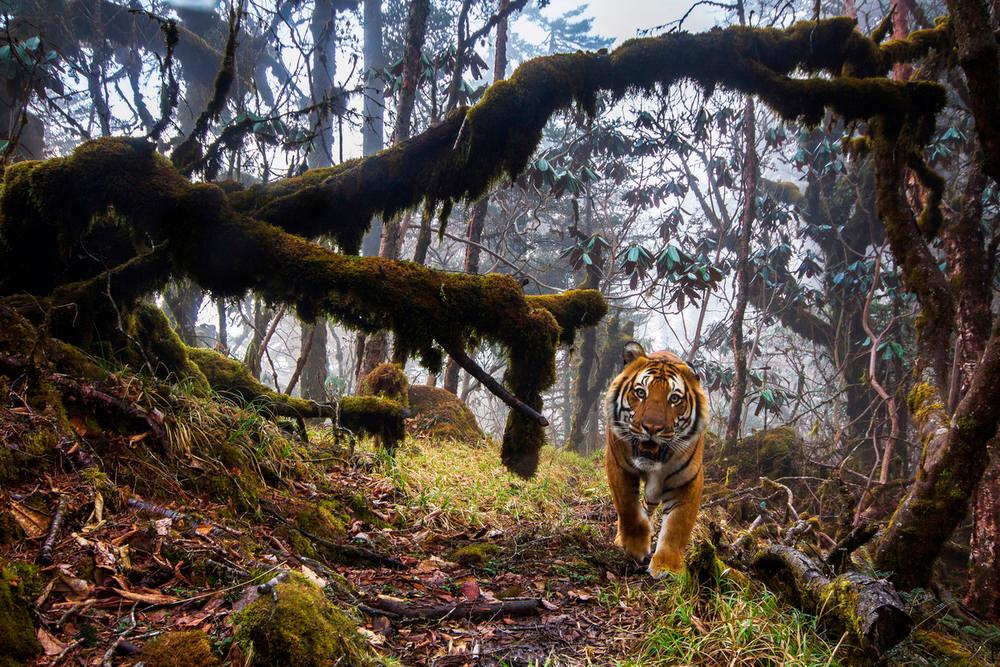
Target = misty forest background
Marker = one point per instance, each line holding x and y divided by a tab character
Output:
307	309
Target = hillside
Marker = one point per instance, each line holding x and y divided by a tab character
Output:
214	557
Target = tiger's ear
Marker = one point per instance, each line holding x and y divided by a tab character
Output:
632	352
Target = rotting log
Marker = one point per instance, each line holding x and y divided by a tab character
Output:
867	609
864	611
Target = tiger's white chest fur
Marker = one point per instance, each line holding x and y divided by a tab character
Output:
661	478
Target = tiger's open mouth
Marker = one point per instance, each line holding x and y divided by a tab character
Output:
649	450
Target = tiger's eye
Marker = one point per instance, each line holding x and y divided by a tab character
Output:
640	393
675	399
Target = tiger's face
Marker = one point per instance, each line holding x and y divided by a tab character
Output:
656	404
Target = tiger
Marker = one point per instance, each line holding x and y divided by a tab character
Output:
655	414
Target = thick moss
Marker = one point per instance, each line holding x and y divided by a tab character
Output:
947	651
477	554
299	626
188	648
773	453
232	379
10	530
375	416
438	413
18	644
922	401
324	519
388	381
703	565
572	309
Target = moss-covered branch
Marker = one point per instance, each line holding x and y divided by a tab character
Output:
115	199
370	415
472	148
428	310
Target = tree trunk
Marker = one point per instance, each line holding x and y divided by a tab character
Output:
376	348
315	367
954	458
750	178
372	131
323	27
983	594
183	301
223	342
262	315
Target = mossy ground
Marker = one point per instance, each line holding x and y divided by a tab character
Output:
439	414
459	523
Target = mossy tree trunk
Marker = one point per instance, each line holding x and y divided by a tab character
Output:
956	426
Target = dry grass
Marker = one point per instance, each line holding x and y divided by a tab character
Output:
466	485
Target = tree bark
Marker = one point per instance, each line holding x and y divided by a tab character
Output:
316	365
323	27
866	608
983	593
750	179
978	55
183	301
372	131
954	458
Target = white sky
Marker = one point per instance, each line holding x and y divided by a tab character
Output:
622	18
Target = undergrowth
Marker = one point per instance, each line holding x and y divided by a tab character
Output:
470	486
737	624
741	623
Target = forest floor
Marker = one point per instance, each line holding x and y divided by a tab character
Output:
440	524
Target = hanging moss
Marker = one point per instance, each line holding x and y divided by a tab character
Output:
185	648
299	626
375	416
388	381
471	149
18	644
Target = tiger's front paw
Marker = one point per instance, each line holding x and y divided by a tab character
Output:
664	562
634	539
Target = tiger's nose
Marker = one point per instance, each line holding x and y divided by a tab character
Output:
651	428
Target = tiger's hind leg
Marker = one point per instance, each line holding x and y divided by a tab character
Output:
633	526
676	529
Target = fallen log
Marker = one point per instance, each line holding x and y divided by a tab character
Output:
866	608
476	610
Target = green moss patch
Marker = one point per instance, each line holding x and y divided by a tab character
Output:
478	554
189	648
18	644
438	413
388	381
299	626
